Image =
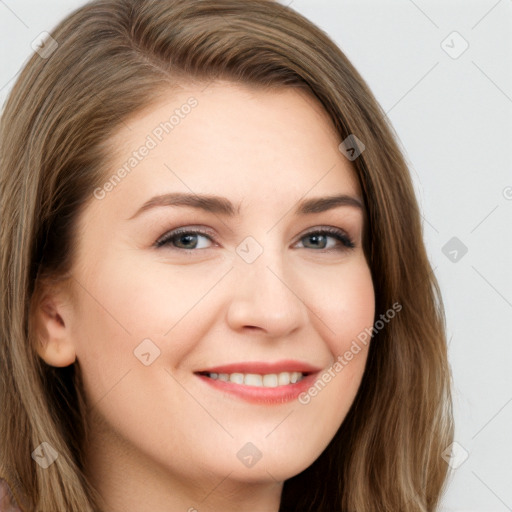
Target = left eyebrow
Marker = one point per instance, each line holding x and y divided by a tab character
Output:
222	206
322	204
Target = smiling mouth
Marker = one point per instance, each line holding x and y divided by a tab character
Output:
259	388
268	380
263	382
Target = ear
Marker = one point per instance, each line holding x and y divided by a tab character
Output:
52	320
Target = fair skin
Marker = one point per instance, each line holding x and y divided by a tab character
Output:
162	439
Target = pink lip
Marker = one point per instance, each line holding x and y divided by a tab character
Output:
261	367
263	395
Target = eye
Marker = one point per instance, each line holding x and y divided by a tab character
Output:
320	237
187	239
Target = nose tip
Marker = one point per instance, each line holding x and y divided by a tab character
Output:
264	299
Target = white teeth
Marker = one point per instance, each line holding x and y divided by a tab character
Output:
270	380
253	379
237	378
284	378
295	377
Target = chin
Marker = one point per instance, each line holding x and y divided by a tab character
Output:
269	469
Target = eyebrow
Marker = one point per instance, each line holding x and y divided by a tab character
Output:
222	206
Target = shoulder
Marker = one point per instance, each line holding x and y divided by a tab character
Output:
7	501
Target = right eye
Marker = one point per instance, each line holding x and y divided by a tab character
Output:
187	238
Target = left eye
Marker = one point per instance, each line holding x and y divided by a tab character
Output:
188	239
341	240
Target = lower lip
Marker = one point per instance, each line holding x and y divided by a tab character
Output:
262	395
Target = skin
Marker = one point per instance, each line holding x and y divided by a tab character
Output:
161	439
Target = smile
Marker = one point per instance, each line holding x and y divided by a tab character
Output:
260	382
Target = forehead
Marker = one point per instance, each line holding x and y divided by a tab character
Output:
231	140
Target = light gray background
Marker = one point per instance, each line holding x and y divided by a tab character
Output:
453	119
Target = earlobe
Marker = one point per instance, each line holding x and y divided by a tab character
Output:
54	342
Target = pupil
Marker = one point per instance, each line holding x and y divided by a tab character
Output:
317	238
185	237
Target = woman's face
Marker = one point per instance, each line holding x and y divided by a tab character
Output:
258	290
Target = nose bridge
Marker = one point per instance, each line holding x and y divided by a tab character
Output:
265	261
264	294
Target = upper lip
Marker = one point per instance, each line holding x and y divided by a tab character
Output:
263	367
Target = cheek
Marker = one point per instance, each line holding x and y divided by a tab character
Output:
152	296
352	320
357	308
343	302
125	303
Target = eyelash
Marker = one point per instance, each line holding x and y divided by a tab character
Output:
336	233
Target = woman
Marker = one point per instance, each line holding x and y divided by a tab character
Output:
215	293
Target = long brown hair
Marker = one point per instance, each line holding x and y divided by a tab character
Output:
113	58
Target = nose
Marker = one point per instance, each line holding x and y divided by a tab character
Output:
266	296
